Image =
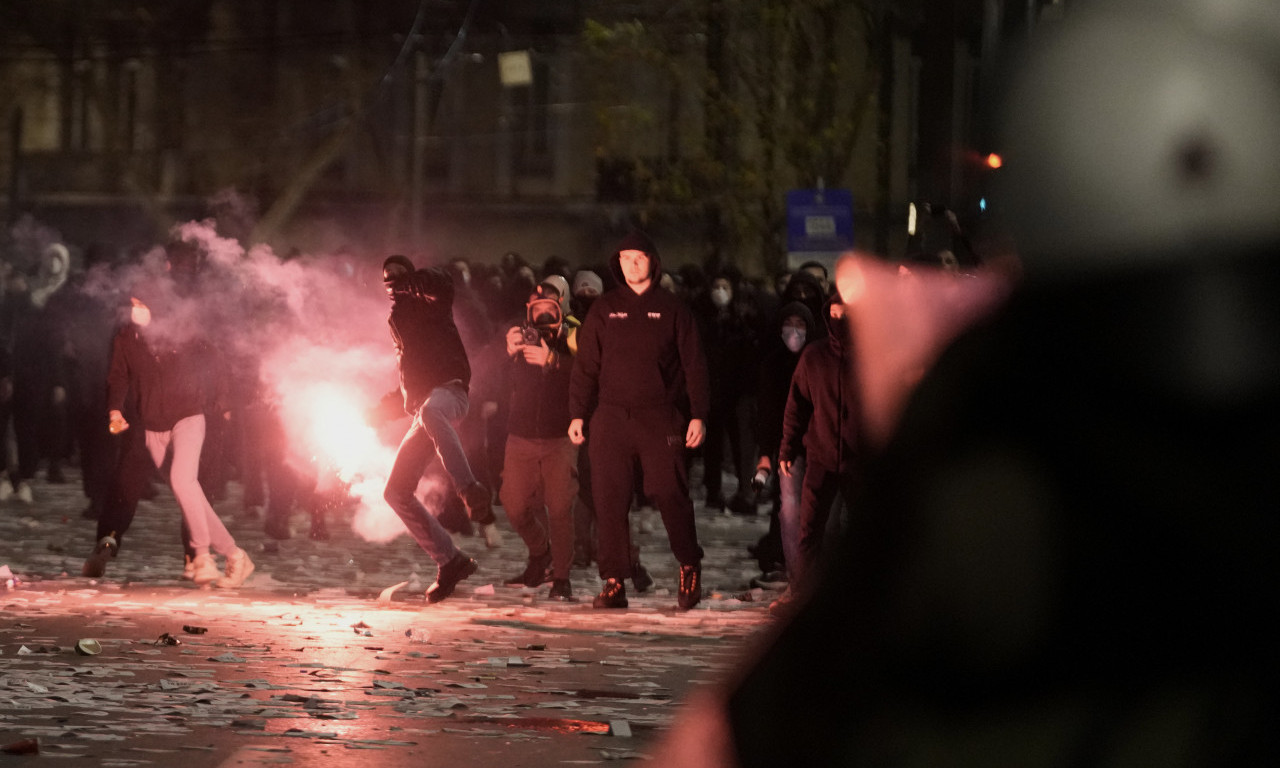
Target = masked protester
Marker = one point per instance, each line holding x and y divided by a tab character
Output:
435	375
819	446
640	362
730	339
780	546
539	482
175	378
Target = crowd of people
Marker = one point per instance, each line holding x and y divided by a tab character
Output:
507	369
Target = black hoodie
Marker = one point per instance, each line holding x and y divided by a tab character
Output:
639	350
775	379
427	343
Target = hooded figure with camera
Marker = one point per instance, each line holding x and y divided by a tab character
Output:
435	375
539	483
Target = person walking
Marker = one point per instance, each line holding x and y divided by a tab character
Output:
169	372
640	360
819	448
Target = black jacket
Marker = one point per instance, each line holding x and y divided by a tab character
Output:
639	351
775	380
171	382
820	421
540	395
428	346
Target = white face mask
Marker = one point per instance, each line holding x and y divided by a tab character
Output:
793	338
720	297
141	316
55	266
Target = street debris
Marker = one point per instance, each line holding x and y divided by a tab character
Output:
288	658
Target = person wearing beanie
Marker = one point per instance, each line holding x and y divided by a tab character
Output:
587	281
640	365
435	376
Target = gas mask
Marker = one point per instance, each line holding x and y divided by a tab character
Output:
543	312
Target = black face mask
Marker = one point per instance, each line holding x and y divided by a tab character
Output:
581	305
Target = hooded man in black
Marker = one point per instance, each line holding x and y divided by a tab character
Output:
640	362
434	379
820	431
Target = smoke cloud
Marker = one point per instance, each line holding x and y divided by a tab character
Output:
307	335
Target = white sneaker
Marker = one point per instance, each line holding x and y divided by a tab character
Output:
239	569
492	538
6	490
188	568
204	570
24	492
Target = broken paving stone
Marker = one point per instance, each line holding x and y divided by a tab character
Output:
250	723
296	732
228	658
194	630
88	647
615	754
620	728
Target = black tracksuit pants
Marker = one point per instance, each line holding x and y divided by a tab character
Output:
654	435
134	471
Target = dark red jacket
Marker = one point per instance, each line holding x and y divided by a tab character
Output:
820	421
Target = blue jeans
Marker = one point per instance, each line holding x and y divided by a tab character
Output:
431	434
789	492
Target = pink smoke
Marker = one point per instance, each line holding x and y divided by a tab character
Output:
901	318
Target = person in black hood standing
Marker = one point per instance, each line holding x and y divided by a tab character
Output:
434	379
640	360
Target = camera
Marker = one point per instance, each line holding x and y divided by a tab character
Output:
530	336
761	477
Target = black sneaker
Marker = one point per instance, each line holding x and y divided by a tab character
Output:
277	528
690	586
742	506
561	589
479	504
614	595
535	572
640	578
96	564
776	579
452	572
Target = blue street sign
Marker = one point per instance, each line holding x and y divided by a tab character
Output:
819	220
